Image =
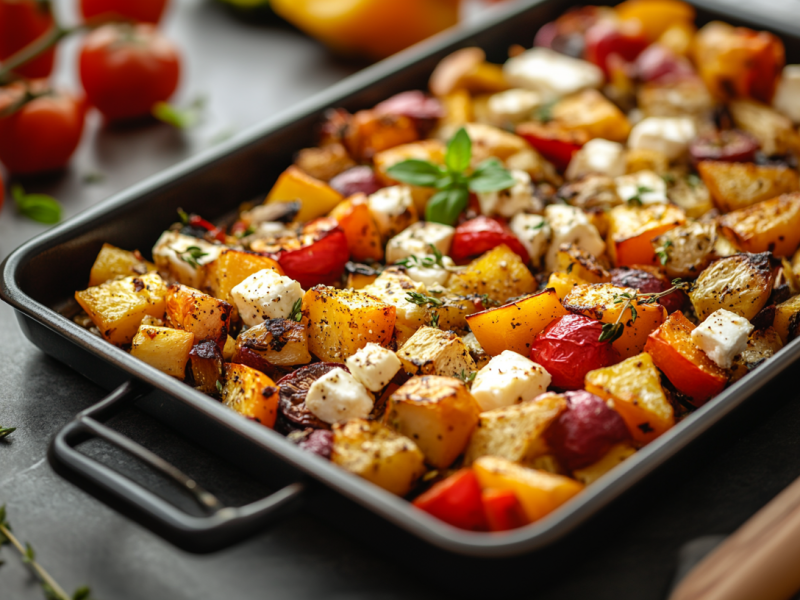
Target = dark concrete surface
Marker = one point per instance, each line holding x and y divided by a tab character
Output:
248	72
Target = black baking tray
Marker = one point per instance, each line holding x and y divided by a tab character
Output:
40	278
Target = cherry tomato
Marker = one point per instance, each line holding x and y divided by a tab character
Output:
125	69
481	234
585	432
503	510
553	142
22	22
648	280
359	179
144	11
659	63
456	500
606	38
729	145
44	132
569	348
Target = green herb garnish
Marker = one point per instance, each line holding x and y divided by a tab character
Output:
37	207
613	331
181	118
192	255
297	311
6	431
422	299
663	255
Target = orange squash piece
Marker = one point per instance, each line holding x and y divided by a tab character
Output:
250	393
232	267
631	229
191	310
656	16
363	237
316	197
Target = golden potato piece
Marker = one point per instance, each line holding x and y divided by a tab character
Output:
164	348
251	394
738	185
688	249
500	274
113	262
767	226
431	351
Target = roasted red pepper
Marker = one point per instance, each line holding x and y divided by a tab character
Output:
319	256
553	142
217	233
503	510
456	500
607	37
481	234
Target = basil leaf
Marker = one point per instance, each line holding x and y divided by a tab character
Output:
181	118
459	151
37	207
490	176
415	172
445	206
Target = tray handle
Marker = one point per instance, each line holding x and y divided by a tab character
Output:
222	527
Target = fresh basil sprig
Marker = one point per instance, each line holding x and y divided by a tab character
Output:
452	180
37	207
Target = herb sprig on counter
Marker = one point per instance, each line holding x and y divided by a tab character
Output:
6	431
452	180
37	207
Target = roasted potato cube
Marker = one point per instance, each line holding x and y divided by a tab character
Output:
775	132
684	98
761	345
513	326
617	454
206	317
368	133
768	226
592	112
378	454
232	268
453	312
634	388
457	108
163	348
686	249
118	307
342	322
279	342
571	259
207	370
741	283
393	287
431	351
500	274
324	163
476	351
539	492
787	319
113	262
515	432
355	219
601	301
438	413
632	229
645	159
692	195
738	185
488	141
428	150
250	393
316	197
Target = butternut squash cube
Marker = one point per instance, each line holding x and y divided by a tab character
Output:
500	274
368	133
539	492
593	113
113	262
767	226
431	351
341	322
355	219
277	341
513	326
438	413
316	197
117	307
206	317
617	454
164	348
633	388
739	185
231	268
250	393
373	451
515	432
632	229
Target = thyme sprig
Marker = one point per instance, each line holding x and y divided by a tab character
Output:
297	311
435	320
436	260
663	251
192	255
422	299
613	331
467	378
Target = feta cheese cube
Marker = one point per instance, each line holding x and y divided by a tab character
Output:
432	277
534	233
509	378
570	225
551	74
668	135
787	96
722	336
374	366
393	210
177	263
511	201
337	397
266	295
512	106
417	239
645	185
597	156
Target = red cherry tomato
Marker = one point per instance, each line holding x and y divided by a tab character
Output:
22	22
456	500
729	145
568	348
605	38
319	256
144	11
481	234
44	132
503	510
126	69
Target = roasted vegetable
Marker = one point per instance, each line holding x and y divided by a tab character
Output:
251	394
113	262
762	344
632	229
431	351
363	237
281	342
686	250
456	500
787	319
205	316
500	274
231	268
164	348
739	185
767	226
316	197
207	366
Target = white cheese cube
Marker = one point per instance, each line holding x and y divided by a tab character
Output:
509	378
570	225
722	336
392	208
266	295
534	233
597	156
417	239
511	201
551	74
337	397
787	96
433	277
176	262
668	135
374	366
512	106
647	186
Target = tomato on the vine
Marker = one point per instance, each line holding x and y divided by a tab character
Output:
42	129
143	11
22	22
126	69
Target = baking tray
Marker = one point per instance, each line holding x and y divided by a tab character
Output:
40	277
